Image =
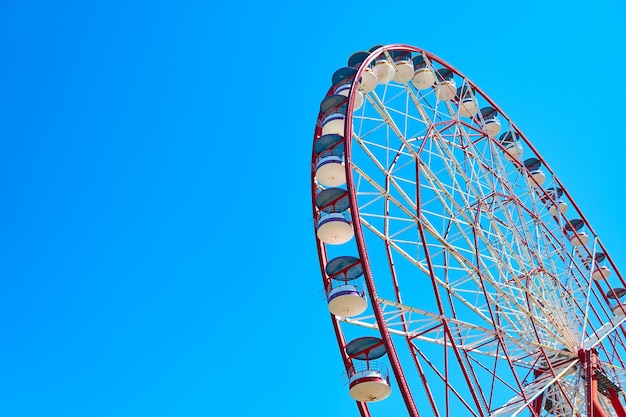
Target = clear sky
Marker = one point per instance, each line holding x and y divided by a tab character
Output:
157	252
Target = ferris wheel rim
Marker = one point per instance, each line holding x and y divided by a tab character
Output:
355	214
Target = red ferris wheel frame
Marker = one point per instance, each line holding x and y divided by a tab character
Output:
587	357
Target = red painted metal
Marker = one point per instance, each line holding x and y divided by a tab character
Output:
538	402
449	386
593	405
470	384
616	403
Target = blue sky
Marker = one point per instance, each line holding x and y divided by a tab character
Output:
158	254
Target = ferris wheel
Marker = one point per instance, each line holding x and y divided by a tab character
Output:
461	277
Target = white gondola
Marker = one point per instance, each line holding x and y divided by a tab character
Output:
466	102
346	301
383	67
579	238
330	171
369	386
369	381
333	108
445	90
423	78
384	71
513	151
537	177
512	148
619	309
344	90
491	122
577	235
369	80
555	194
560	207
404	66
343	79
329	165
601	273
404	73
468	107
334	229
334	124
493	126
446	87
